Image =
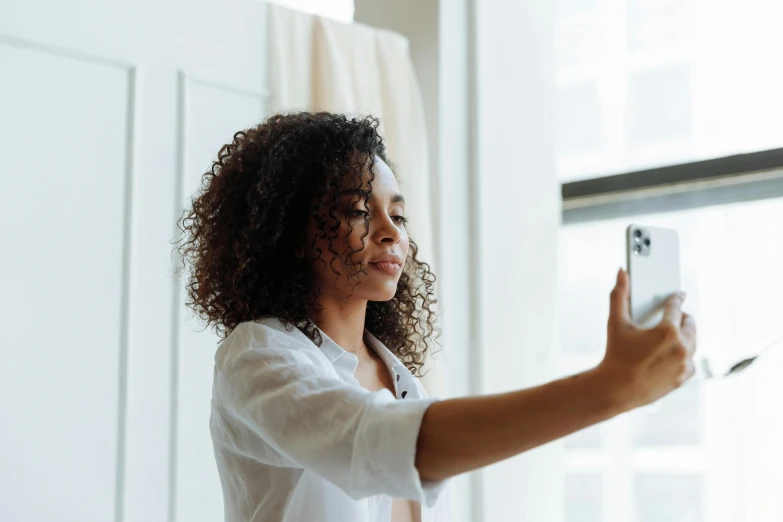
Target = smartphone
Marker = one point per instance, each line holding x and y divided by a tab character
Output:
653	261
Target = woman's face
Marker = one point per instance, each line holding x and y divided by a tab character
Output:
385	246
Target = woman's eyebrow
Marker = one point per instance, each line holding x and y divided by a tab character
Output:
396	198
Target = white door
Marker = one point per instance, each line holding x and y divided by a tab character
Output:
109	114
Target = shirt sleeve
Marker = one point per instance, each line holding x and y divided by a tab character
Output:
363	442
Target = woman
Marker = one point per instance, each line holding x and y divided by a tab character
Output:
300	259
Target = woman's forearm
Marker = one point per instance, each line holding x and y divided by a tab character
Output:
463	434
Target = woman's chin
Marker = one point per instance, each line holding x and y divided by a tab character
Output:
381	292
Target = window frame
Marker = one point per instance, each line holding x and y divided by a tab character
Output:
730	179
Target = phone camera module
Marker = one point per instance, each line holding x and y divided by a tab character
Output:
640	240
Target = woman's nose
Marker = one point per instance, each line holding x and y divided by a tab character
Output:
387	230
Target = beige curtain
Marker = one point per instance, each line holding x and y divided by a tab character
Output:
320	64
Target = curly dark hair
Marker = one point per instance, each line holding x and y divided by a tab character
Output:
245	225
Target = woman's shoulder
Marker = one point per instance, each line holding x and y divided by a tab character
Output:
267	335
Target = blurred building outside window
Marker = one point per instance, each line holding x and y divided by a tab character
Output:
645	83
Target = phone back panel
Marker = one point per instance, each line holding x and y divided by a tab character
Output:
654	272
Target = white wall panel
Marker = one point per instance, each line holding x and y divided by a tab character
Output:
65	143
93	143
146	478
211	114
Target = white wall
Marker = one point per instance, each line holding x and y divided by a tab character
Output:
109	114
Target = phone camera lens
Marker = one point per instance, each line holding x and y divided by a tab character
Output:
637	234
647	242
637	249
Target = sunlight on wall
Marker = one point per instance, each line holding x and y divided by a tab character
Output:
341	10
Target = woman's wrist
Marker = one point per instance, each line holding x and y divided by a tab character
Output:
610	388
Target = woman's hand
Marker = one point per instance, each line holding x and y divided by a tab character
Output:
642	365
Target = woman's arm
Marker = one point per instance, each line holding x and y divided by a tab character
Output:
459	435
640	367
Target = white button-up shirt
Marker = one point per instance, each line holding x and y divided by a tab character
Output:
297	439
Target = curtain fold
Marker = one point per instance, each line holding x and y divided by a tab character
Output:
321	64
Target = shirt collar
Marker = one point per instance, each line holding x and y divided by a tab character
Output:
334	351
386	355
337	355
329	348
405	383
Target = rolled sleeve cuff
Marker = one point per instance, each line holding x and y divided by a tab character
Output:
384	459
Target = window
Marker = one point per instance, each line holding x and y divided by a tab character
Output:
669	114
645	83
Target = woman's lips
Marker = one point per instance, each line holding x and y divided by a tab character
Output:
387	267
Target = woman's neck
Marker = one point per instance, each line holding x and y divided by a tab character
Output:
343	323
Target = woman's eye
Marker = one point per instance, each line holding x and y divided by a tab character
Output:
400	220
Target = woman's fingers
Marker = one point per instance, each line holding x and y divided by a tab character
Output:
688	331
619	303
672	310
